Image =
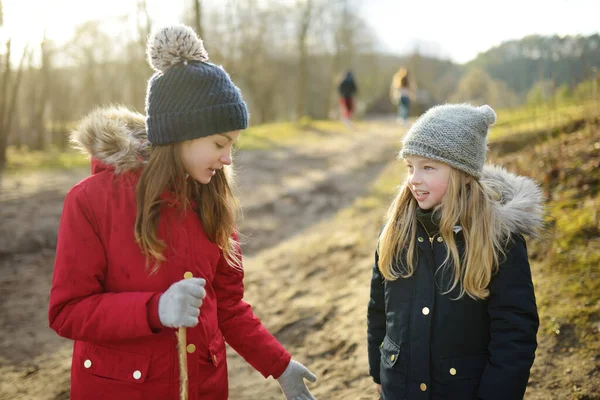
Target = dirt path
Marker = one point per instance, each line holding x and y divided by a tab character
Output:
283	192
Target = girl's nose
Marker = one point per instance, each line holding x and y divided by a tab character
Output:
414	179
226	158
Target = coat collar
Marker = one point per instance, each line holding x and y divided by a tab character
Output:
520	201
115	138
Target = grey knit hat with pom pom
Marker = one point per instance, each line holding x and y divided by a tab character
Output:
188	97
455	134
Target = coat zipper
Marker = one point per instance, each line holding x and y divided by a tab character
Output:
428	236
431	244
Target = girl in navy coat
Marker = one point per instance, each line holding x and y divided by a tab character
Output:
452	313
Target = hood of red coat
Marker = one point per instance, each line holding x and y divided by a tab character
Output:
114	137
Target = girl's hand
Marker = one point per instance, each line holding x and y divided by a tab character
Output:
179	306
292	382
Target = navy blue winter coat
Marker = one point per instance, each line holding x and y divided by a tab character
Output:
425	345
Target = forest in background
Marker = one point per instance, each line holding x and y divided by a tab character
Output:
287	57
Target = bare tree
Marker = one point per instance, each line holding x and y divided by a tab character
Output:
136	64
9	91
306	15
42	89
198	17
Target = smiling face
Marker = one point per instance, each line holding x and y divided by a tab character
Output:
202	157
427	180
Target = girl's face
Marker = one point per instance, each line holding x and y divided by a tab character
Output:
203	156
427	180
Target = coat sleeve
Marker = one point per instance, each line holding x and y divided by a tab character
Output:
513	327
79	307
241	328
375	320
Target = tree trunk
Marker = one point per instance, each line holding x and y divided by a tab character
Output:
8	101
3	146
302	62
198	18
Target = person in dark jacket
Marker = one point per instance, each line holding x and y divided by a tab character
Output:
347	90
452	312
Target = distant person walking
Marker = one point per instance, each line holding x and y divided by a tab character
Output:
347	90
400	94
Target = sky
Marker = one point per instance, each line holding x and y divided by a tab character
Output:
460	29
457	30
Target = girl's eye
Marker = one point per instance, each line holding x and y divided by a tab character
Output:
220	146
428	168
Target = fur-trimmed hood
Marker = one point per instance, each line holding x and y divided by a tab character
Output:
114	137
521	199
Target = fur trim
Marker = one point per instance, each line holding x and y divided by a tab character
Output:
520	204
114	136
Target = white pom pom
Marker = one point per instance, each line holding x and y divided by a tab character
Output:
172	45
489	114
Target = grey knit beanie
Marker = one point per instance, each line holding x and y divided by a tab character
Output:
188	97
454	134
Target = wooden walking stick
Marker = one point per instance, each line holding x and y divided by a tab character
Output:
182	354
183	371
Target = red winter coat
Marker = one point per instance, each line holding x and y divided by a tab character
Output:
104	298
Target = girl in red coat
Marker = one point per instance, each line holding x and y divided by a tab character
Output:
147	244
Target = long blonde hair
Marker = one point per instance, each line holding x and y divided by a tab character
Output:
467	203
400	79
215	204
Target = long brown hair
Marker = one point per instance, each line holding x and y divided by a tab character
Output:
470	205
214	202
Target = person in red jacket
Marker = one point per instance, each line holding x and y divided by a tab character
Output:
147	244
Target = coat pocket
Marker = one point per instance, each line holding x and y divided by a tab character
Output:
390	353
216	349
113	364
392	370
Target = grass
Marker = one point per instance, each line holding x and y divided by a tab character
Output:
25	160
527	119
260	137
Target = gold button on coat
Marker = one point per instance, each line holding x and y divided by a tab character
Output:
215	358
87	363
191	348
137	374
452	371
393	357
423	387
425	310
439	239
188	275
420	239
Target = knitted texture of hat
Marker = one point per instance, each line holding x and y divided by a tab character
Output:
455	134
188	97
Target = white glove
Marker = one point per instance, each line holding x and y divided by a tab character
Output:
292	382
180	305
